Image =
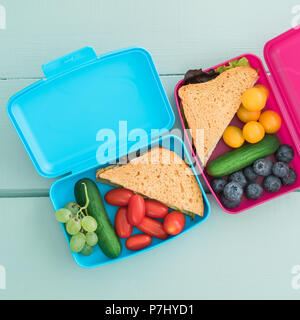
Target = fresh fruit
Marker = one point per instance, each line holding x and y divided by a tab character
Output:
271	121
245	115
240	158
263	167
263	89
73	207
87	194
218	185
272	184
91	238
122	226
250	174
285	153
174	223
118	197
89	224
254	99
233	137
253	191
230	204
87	250
73	226
63	215
77	242
233	191
155	209
138	242
238	177
136	210
290	179
153	228
253	132
280	169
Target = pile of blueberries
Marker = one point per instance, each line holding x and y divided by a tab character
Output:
240	182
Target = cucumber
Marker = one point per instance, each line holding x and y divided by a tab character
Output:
244	156
108	240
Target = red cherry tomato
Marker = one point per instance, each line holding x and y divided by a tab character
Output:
155	209
138	242
118	197
153	228
174	223
122	226
136	209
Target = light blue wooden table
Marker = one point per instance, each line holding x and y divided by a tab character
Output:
250	255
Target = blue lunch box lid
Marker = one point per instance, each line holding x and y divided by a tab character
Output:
59	117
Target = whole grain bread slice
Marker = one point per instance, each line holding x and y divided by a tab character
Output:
209	107
158	174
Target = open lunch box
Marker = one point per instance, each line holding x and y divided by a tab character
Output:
59	117
282	58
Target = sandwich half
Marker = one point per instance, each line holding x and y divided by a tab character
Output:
209	107
159	174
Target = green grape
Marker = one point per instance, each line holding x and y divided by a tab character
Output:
63	215
73	226
87	250
77	242
89	224
91	239
73	207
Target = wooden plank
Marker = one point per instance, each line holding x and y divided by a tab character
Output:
246	256
179	34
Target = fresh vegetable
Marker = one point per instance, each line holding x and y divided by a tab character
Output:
118	197
174	223
240	158
155	209
122	226
253	191
136	210
250	174
218	185
253	132
63	215
271	121
285	153
254	99
243	62
199	76
230	204
238	177
87	194
233	191
245	115
138	242
263	167
272	184
153	228
263	89
290	179
280	169
77	242
233	137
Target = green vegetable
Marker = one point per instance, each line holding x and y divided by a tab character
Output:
243	62
86	191
240	158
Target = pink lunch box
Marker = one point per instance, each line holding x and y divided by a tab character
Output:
282	57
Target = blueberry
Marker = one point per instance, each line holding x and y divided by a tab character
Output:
250	174
285	153
290	178
233	191
218	185
263	167
280	169
239	178
230	204
272	184
253	191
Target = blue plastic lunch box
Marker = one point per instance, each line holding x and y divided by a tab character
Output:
59	117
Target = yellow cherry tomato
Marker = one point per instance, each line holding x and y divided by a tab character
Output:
245	115
254	99
253	132
271	121
263	89
233	137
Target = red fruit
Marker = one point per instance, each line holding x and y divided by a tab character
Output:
138	242
122	226
118	197
174	223
153	228
136	210
155	209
